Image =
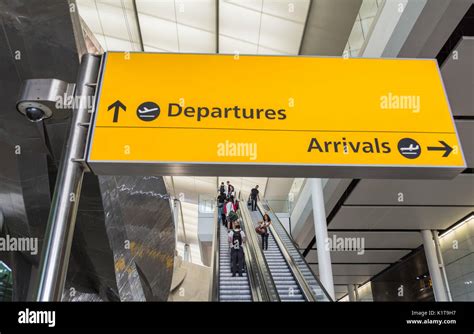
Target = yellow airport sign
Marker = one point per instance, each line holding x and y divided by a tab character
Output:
196	114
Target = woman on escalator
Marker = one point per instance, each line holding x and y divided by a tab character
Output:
265	228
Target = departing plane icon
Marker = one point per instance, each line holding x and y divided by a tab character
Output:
145	110
148	111
411	149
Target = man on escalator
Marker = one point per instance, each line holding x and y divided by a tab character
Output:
220	206
236	240
254	197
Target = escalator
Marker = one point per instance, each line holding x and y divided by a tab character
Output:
286	284
292	276
230	288
278	274
256	283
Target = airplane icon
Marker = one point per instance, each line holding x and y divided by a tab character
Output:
411	149
145	110
148	111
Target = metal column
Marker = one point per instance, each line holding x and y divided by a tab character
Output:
321	231
433	266
441	265
62	216
351	292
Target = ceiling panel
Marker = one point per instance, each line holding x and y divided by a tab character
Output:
276	33
339	295
289	9
233	46
383	239
272	26
178	26
265	51
158	33
197	13
238	22
369	256
458	77
459	191
329	26
157	8
340	289
255	5
466	135
112	22
368	9
194	40
353	269
351	279
397	218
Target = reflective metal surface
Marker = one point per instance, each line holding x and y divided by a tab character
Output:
34	43
45	95
139	223
62	217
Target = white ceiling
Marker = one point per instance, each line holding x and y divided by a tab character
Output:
112	22
245	26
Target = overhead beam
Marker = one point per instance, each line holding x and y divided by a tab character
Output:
328	26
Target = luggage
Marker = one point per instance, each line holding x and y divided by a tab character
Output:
260	230
233	216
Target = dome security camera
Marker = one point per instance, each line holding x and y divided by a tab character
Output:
34	111
42	99
34	114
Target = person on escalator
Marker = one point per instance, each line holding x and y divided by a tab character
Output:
228	208
236	240
222	188
265	227
230	189
254	197
220	207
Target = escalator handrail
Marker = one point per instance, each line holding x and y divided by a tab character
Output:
252	275
306	289
214	284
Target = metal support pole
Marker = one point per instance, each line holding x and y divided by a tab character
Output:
441	265
351	292
62	216
176	220
321	231
433	266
